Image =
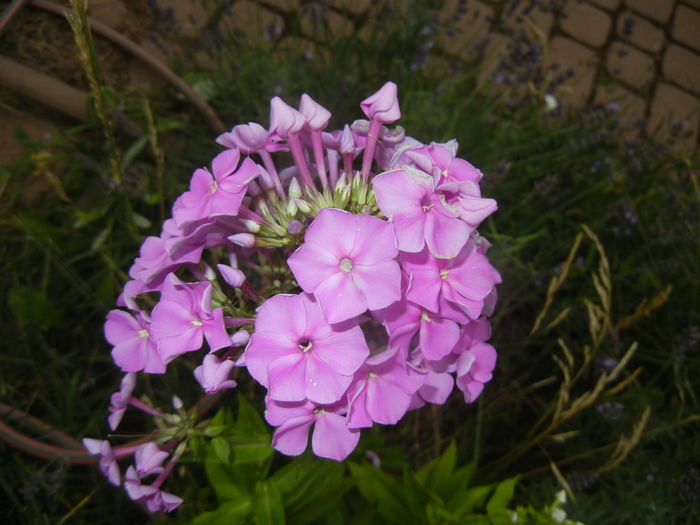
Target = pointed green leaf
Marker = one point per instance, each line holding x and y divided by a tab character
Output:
230	513
268	506
501	496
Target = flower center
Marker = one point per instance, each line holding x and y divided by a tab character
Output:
214	187
371	375
444	274
196	322
143	333
424	316
305	345
345	264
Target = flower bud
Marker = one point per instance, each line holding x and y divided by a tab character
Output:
317	116
233	276
248	138
284	119
383	106
244	240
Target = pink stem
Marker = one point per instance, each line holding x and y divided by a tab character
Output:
270	167
144	407
318	157
347	165
372	135
333	166
300	161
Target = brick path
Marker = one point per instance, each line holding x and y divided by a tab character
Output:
642	54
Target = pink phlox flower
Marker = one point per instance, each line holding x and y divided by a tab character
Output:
436	387
155	260
465	280
438	332
297	355
249	138
148	459
347	262
474	368
155	499
120	400
183	318
383	105
213	374
134	347
216	194
108	461
382	391
188	244
466	196
419	214
441	162
331	437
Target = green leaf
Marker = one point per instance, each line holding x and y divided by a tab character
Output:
136	148
221	449
311	488
394	503
501	496
32	307
230	513
268	506
249	436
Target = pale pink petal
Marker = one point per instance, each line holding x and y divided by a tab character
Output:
332	438
375	241
120	326
339	298
379	283
438	337
383	105
437	387
312	264
287	378
334	230
282	313
323	384
292	437
225	163
409	227
445	236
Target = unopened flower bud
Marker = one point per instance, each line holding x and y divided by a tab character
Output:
244	240
233	276
240	338
251	226
383	106
317	116
294	227
284	119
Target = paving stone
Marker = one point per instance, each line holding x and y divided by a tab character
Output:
189	17
585	23
110	12
514	18
682	66
570	54
254	20
658	10
629	65
318	21
640	32
282	5
686	26
353	6
632	107
610	5
672	104
466	30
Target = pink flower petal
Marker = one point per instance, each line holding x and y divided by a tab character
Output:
339	298
332	438
379	283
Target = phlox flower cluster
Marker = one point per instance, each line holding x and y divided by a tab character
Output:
343	269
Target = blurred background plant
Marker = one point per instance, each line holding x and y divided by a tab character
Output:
596	237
